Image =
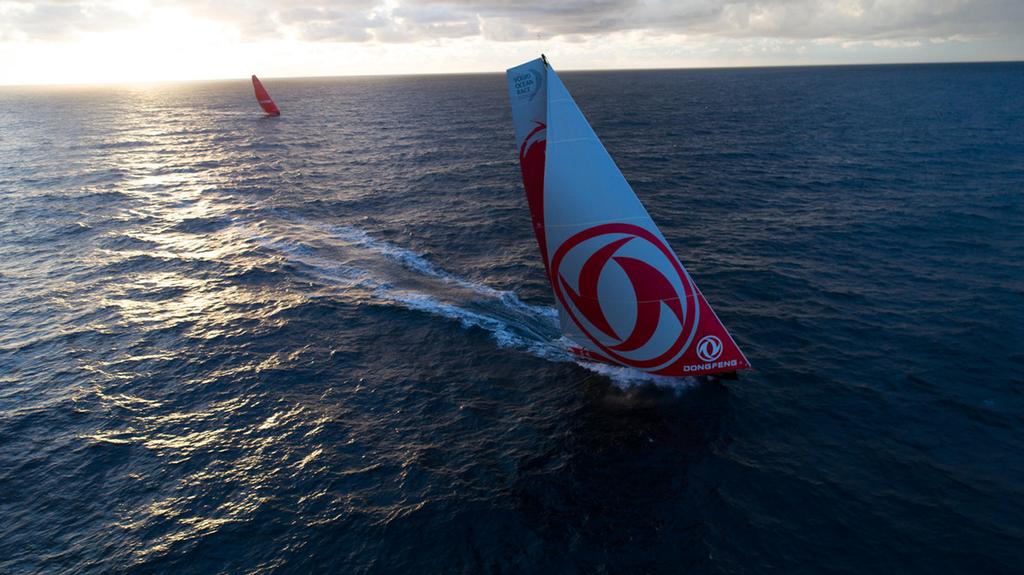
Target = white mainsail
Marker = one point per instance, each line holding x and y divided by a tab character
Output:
622	294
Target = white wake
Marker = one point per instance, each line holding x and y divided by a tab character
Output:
356	265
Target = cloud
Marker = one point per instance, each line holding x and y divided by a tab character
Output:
56	20
325	24
401	21
792	19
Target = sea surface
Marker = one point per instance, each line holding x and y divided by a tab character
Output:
324	342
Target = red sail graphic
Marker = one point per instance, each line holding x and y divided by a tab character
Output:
263	98
531	163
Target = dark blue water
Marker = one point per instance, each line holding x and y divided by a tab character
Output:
324	342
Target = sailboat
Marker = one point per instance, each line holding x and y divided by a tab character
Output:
263	97
622	294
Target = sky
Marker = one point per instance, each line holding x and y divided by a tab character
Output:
100	41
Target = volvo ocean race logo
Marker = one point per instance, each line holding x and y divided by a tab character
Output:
527	85
709	348
626	291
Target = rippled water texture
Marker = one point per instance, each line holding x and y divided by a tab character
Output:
324	342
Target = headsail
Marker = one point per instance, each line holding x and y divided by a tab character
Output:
622	294
263	97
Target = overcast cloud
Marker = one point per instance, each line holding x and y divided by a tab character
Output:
402	21
95	41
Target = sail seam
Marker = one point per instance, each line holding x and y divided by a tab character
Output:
588	138
610	299
596	222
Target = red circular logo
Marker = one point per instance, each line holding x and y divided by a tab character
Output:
645	314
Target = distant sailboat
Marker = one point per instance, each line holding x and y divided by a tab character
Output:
263	97
622	294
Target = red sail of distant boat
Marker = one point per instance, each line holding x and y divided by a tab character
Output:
263	97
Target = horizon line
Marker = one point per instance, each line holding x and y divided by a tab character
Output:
567	70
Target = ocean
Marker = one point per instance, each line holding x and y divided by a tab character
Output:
324	342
